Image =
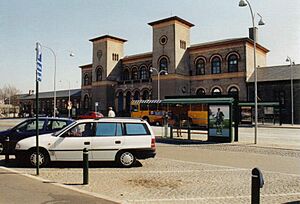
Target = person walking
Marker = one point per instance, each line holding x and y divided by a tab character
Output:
111	113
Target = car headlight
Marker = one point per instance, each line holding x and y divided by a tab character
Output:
18	146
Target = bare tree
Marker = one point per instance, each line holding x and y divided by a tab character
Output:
8	92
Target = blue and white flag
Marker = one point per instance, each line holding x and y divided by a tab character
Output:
39	66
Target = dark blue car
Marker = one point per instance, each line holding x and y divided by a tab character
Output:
27	128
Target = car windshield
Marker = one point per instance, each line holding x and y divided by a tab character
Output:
60	131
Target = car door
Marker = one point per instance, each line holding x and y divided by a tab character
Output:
70	144
107	141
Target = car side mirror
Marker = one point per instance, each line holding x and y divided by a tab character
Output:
66	134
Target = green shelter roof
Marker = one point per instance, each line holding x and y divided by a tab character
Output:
259	104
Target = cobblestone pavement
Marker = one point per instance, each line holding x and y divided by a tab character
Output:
162	180
184	180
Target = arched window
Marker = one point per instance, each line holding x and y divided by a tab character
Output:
98	74
216	92
200	92
86	102
216	65
163	64
136	95
144	72
232	63
233	91
126	75
145	95
86	80
134	74
200	67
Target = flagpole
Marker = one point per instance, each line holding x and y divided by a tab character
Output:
38	78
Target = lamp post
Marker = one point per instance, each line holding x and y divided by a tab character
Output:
69	103
158	79
288	59
242	3
54	79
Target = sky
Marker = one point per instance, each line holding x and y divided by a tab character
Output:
66	26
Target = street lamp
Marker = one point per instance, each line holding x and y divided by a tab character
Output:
54	80
288	59
242	3
158	82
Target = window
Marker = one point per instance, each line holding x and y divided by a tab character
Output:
134	74
216	65
82	130
126	74
115	57
86	80
30	126
108	129
232	63
136	95
98	74
163	40
182	44
233	91
136	129
86	101
144	73
200	67
200	92
216	92
145	95
56	124
163	64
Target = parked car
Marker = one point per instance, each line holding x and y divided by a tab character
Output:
107	139
27	128
91	115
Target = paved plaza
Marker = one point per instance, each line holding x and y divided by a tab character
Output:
190	173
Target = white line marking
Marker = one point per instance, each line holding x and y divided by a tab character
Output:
238	168
213	198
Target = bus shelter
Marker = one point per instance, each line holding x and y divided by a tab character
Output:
267	112
214	114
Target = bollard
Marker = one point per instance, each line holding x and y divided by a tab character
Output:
257	183
6	149
85	166
171	131
189	132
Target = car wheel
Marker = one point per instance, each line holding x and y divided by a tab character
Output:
1	147
43	158
126	159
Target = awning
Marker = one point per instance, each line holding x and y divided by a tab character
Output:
259	104
198	100
136	102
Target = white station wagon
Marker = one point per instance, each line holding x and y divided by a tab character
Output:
108	139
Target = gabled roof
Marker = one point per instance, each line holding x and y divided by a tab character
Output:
276	73
176	18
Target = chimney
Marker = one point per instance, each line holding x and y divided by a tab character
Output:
31	92
251	33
